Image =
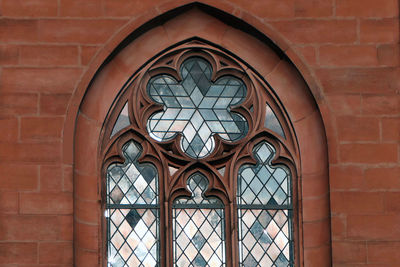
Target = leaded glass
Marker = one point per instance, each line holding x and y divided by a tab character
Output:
272	122
264	237
132	211
197	108
264	212
198	227
122	120
263	184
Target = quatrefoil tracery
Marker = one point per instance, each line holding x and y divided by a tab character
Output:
197	108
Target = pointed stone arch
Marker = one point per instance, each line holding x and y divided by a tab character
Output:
129	50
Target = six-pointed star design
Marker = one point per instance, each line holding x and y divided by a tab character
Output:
197	108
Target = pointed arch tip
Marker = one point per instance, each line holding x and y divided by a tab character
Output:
138	26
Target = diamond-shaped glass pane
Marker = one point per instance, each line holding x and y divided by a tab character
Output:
197	108
131	182
263	199
264	184
133	237
198	233
133	228
264	238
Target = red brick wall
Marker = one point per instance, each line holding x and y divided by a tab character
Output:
350	48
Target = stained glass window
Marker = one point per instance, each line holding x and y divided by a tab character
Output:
198	227
196	114
264	212
133	211
197	108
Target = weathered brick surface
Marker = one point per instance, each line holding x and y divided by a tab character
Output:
349	47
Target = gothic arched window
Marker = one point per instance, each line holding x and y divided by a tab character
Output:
199	164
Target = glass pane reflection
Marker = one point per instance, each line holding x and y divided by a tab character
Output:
271	122
122	120
263	184
198	233
197	108
132	211
264	212
264	237
133	239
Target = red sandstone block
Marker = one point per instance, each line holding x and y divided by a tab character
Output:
81	8
349	251
84	188
54	104
8	202
313	8
373	227
18	177
9	132
66	227
345	104
315	209
368	153
31	8
41	128
270	9
388	54
381	104
51	178
87	53
392	201
18	30
55	253
83	257
352	128
367	8
86	146
314	185
316	234
384	178
29	227
357	80
43	55
55	80
338	227
318	257
45	203
94	31
345	177
68	183
391	129
379	30
348	55
30	152
9	55
318	31
87	235
357	202
18	104
120	8
87	211
237	41
309	54
18	253
386	253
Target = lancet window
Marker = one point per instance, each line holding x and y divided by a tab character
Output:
199	165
